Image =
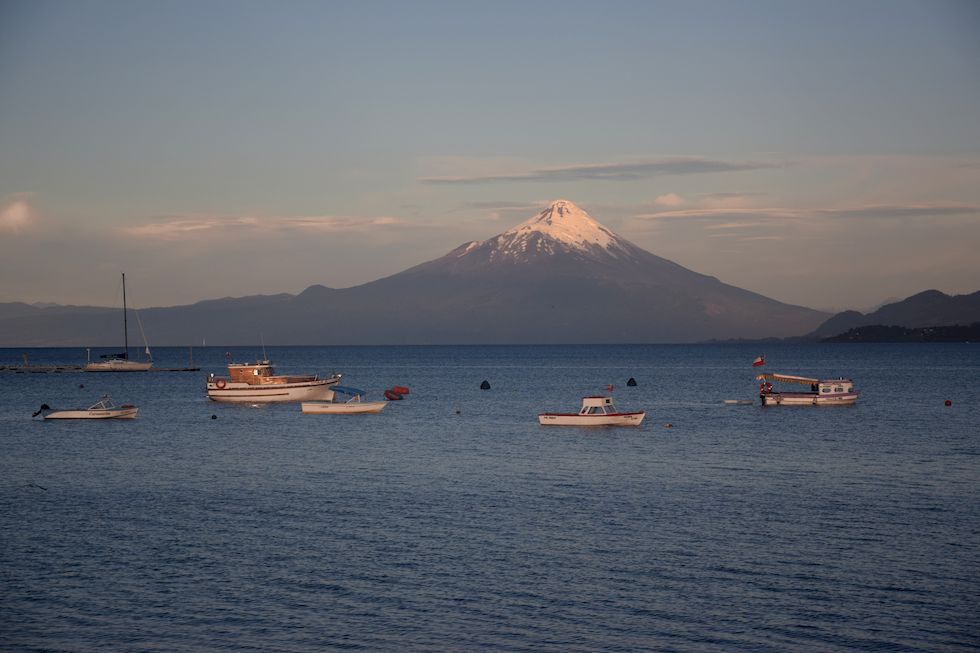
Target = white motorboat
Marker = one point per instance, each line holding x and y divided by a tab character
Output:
831	392
595	411
250	383
352	406
121	362
102	409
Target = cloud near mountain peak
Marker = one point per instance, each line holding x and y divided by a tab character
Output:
611	171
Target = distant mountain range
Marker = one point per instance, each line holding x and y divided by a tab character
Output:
879	333
560	277
925	309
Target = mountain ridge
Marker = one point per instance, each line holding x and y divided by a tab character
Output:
929	308
558	277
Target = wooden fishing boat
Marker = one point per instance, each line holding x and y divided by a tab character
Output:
257	382
595	411
102	409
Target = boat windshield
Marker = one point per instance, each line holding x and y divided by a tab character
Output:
104	403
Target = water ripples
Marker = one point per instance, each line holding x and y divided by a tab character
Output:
426	530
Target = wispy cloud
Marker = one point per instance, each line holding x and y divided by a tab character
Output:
16	215
502	206
726	214
611	171
893	211
857	212
669	199
729	195
187	227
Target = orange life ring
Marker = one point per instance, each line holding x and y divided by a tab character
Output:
220	383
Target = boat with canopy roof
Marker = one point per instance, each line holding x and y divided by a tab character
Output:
829	392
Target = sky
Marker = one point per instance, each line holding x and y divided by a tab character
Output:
821	153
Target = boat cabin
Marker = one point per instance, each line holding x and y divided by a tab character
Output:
597	406
836	387
249	372
262	373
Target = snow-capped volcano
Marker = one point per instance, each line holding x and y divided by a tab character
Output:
561	228
566	223
558	278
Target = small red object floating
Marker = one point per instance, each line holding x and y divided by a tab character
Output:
948	402
400	389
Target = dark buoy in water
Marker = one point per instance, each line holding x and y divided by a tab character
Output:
81	385
485	385
631	383
214	417
948	402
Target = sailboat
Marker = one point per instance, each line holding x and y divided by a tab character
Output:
120	362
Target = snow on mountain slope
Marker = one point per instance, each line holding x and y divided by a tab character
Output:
566	223
562	227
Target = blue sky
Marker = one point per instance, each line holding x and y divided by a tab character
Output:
229	148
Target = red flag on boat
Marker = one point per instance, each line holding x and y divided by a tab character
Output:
759	362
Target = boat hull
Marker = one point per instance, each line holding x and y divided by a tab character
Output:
118	366
572	419
808	399
122	412
244	393
353	408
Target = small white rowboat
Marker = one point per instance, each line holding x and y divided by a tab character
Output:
353	406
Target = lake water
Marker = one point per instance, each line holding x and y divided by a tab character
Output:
452	521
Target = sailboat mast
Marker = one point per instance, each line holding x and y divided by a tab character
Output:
125	325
